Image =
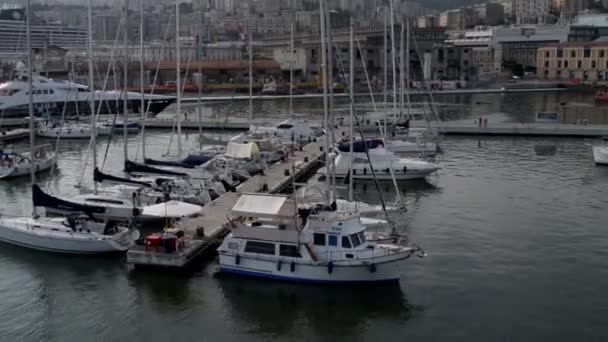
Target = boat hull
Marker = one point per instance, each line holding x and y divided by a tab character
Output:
19	233
23	170
387	271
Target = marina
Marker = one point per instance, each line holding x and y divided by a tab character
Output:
420	212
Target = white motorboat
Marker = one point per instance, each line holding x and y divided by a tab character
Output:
71	235
600	155
56	98
386	164
71	131
20	164
300	131
323	248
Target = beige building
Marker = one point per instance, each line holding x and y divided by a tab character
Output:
582	61
568	8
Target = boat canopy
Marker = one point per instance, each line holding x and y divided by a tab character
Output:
41	199
172	209
242	150
263	206
361	146
100	177
133	167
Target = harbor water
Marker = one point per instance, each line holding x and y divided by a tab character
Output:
515	230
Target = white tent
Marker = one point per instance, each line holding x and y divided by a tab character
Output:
259	205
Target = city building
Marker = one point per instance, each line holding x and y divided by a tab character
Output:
582	61
531	11
427	21
519	45
568	8
492	14
586	28
12	34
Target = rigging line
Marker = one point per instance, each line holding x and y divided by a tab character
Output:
63	111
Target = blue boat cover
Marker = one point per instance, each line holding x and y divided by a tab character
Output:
197	159
42	199
99	177
131	167
361	146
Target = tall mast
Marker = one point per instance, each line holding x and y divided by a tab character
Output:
178	78
385	80
291	58
92	88
125	108
250	33
330	81
325	99
401	71
144	110
407	68
393	59
351	107
30	94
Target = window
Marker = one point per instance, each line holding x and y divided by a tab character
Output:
566	64
259	247
573	53
546	64
593	64
547	54
560	53
361	236
559	64
346	242
289	251
602	53
587	53
333	240
579	64
355	239
319	239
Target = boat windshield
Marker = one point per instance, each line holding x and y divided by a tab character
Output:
8	92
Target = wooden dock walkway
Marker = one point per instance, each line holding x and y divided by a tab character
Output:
214	218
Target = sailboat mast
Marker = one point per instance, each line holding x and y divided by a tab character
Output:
385	80
125	107
291	58
144	112
30	93
250	33
325	99
407	68
178	78
351	107
393	59
401	72
330	81
92	88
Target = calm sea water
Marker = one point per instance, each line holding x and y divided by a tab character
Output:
515	228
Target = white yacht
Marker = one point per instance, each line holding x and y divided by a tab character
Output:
73	235
324	248
386	164
71	131
301	131
54	98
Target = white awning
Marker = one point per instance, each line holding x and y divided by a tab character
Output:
262	206
172	209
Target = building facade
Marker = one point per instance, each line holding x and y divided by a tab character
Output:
586	62
531	11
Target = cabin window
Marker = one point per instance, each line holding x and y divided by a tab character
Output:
259	247
355	239
319	239
346	242
333	240
362	237
98	200
291	251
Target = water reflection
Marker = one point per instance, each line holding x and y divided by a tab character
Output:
333	313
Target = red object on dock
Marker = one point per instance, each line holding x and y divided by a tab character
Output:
154	240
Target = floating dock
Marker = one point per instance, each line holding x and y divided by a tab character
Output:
206	230
206	124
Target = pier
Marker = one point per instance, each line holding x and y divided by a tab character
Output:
205	231
521	129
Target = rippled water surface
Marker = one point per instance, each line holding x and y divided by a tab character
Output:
516	231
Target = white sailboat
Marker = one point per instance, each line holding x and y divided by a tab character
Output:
14	164
72	235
